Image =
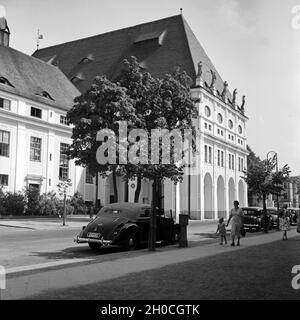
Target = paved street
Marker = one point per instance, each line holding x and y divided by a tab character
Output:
38	260
31	242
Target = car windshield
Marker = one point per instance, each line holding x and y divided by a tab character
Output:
126	212
111	211
108	211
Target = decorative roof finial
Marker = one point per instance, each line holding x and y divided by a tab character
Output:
243	103
4	29
224	92
213	79
180	10
199	74
234	97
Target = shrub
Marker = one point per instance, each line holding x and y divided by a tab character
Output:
32	195
77	202
69	208
13	203
2	197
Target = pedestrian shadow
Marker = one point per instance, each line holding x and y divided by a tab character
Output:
207	235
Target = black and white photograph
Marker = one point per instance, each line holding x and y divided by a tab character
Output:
149	152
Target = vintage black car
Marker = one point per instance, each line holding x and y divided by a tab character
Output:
253	219
126	225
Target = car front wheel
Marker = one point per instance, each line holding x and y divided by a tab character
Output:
131	241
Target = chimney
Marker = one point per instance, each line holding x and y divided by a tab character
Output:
4	30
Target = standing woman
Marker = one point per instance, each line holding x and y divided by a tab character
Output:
236	218
284	222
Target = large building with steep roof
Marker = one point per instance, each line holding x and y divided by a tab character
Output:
161	46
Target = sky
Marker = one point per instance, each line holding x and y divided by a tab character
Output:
254	44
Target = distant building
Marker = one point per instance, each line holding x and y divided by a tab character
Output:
291	193
34	134
160	46
289	196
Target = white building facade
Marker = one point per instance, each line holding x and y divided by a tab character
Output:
33	140
221	161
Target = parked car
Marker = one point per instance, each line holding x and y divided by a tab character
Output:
274	214
126	225
293	213
253	218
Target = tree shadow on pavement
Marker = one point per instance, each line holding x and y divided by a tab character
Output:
75	253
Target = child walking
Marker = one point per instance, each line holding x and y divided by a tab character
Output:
222	231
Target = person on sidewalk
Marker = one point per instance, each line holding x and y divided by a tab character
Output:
284	222
236	218
222	231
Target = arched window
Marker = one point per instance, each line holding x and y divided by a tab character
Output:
207	111
220	118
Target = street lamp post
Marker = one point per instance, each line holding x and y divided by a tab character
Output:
275	157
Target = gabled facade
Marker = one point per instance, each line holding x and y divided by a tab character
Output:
160	46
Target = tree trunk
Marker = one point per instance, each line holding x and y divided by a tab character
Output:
138	189
115	186
64	213
265	222
126	191
96	198
152	235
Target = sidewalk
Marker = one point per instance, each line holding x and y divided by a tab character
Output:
74	221
45	223
24	286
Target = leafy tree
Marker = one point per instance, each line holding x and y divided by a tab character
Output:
252	160
262	180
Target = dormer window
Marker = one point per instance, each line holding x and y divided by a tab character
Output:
77	78
87	59
154	37
5	81
44	94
